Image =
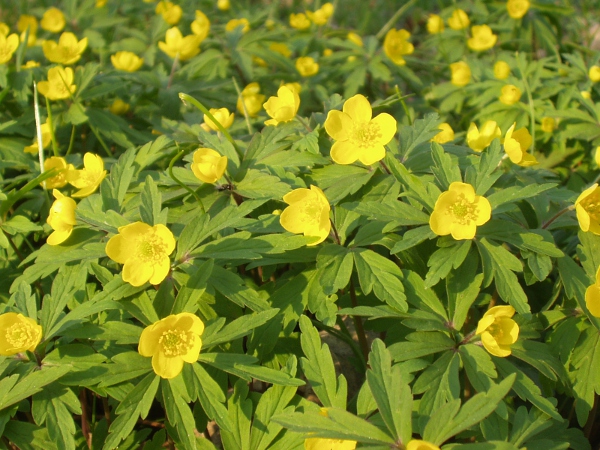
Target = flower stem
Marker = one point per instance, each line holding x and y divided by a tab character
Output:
176	158
404	105
173	69
557	215
395	17
71	141
51	125
38	127
360	331
239	93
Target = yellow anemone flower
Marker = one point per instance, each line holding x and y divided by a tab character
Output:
461	73
208	165
478	140
307	66
171	342
435	24
89	178
170	12
53	20
223	5
396	45
46	139
144	252
548	124
498	331
517	8
459	20
60	179
26	21
281	48
201	25
18	334
516	144
8	46
234	23
510	94
250	101
282	108
307	213
321	15
587	207
328	444
222	115
416	444
68	50
355	39
483	38
445	135
594	74
299	21
501	70
592	296
119	107
61	218
459	212
59	85
175	44
357	135
126	61
4	29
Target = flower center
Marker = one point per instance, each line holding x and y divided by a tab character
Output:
176	342
463	210
20	335
366	135
591	205
310	211
151	248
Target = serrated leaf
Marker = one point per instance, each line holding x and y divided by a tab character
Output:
179	415
444	259
335	265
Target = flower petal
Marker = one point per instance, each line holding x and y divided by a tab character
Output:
484	210
459	231
592	299
292	219
161	270
136	273
120	249
358	108
59	236
388	127
192	354
439	223
167	237
297	195
371	155
493	347
344	152
165	366
339	125
148	344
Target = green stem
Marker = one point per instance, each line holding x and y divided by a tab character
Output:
51	125
239	93
394	18
71	141
557	215
176	158
360	331
173	69
38	128
102	143
404	105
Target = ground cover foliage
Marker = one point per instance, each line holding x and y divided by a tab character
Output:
405	255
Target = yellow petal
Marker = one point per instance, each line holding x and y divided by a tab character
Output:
93	162
484	209
339	125
167	237
292	219
344	152
59	236
165	366
161	270
484	323
297	195
371	155
148	344
358	108
500	311
120	249
592	299
583	218
492	346
387	126
192	354
439	223
463	188
136	273
459	231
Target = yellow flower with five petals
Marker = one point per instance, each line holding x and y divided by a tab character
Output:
170	12
396	45
587	207
8	46
18	334
299	21
126	61
46	139
67	51
282	108
510	94
307	213
479	139
498	331
61	218
250	100
201	25
60	179
516	144
59	85
461	73
53	20
435	24
501	70
175	44
321	15
222	115
483	38
89	178
445	135
234	23
459	20
208	165
517	8
307	66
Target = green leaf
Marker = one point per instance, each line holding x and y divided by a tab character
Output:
114	188
211	398
513	194
420	344
151	201
463	286
179	415
586	361
59	405
257	184
192	235
240	327
232	286
335	264
397	212
240	412
20	224
478	365
576	282
487	170
415	187
439	384
190	293
422	131
444	259
412	238
445	170
13	389
539	356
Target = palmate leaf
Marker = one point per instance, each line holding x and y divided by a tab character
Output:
335	264
150	206
179	415
586	361
55	406
240	411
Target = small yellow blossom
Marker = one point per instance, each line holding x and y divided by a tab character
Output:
259	61
592	296
299	21
355	39
478	140
281	48
201	25
594	74
61	218
89	178
53	20
26	21
170	12
416	444
517	8
223	5
516	144
100	3
208	165
321	15
270	24
459	212
435	24
483	38
222	115
510	95
60	179
459	20
358	136
144	252
498	331
171	342
328	444
175	44
327	52
30	65
586	95
307	66
548	124
587	207
119	107
445	135
234	23
307	213
46	139
4	29
461	73
68	50
8	46
251	99
295	87
126	61
501	70
282	108
396	45
18	334
59	85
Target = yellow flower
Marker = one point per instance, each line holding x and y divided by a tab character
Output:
516	144
459	20
299	21
170	12
171	342
59	85
60	179
223	5
548	124
459	212
321	15
201	26
281	48
295	87
435	24
587	207
328	52
4	29
251	100
61	218
355	38
126	61
594	74
119	107
307	213
396	45
89	178
175	44
208	165
483	38
446	135
501	70
270	24
461	73
68	50
100	3
8	45
416	444
27	21
597	156
357	135
478	140
498	331
307	66
53	20
592	296
144	250
30	65
328	444
46	139
234	23
517	8
510	94
282	108
586	94
18	333
223	116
